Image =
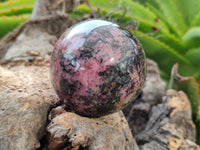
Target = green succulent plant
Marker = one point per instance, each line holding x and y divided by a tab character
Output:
9	23
13	13
169	31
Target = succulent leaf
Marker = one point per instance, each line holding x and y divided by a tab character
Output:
17	11
133	9
162	17
173	16
160	52
193	55
196	20
172	41
189	9
191	88
192	37
8	5
7	24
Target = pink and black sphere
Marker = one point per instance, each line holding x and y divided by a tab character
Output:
97	68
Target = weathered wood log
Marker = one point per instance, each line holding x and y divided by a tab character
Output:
137	113
161	120
23	106
110	132
169	122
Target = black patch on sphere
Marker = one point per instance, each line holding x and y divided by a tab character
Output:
68	88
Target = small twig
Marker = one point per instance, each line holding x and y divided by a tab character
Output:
98	13
73	4
108	14
124	11
56	5
87	2
161	35
150	34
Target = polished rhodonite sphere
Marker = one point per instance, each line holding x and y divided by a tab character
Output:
97	68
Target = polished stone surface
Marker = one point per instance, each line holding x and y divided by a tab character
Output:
97	68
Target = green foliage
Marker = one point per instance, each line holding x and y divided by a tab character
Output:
13	13
193	55
133	10
196	20
188	9
192	37
174	17
17	11
156	50
7	24
5	6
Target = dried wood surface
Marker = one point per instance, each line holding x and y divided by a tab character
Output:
110	132
160	119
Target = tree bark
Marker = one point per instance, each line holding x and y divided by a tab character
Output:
24	91
110	132
160	119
